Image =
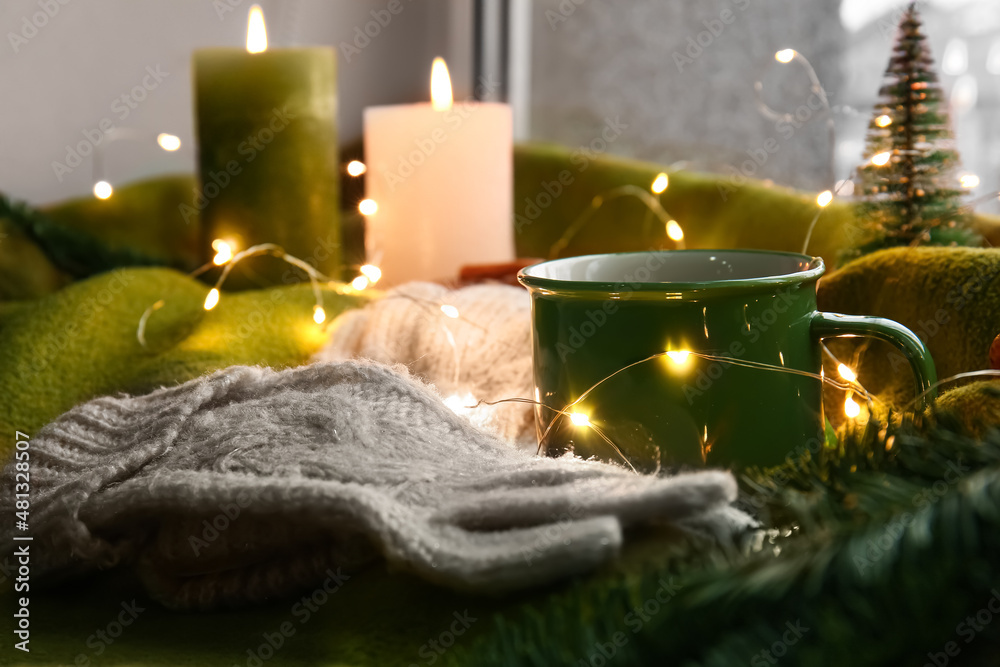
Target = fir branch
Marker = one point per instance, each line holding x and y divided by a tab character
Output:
900	530
77	253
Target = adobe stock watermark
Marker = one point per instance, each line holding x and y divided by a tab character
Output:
220	523
363	35
786	128
714	28
597	317
603	653
432	651
562	12
580	159
779	649
956	301
214	182
30	25
223	7
552	534
779	478
122	107
877	547
967	629
103	638
755	326
51	347
425	147
302	611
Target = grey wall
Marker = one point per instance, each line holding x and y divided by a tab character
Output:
64	78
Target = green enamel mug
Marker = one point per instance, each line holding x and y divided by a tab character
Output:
703	357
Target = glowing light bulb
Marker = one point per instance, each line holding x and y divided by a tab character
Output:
441	96
356	168
785	56
881	159
168	142
359	283
674	231
102	189
450	311
679	357
969	181
256	32
845	187
824	198
956	57
460	404
851	408
319	315
883	121
579	419
368	207
660	183
847	373
223	252
372	273
212	299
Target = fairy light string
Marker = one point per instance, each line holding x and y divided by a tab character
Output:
224	257
445	313
671	228
102	187
581	419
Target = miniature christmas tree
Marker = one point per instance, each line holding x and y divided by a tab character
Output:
908	190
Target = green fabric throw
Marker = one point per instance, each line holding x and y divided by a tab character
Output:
81	341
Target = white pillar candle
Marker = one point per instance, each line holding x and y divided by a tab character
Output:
441	175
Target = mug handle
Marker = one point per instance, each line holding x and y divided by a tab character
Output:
834	324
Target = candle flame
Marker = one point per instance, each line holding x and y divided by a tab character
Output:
256	32
441	96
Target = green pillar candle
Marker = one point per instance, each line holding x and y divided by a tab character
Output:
267	153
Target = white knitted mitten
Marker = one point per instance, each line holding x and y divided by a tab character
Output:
251	483
483	354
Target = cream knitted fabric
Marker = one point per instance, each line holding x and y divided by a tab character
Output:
252	483
483	354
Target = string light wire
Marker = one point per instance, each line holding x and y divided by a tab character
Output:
214	294
643	195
